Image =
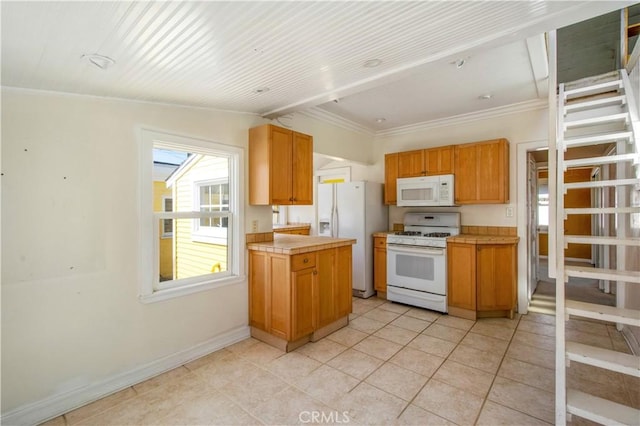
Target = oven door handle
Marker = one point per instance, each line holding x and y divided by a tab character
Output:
416	250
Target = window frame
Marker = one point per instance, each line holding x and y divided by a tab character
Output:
209	234
166	234
150	288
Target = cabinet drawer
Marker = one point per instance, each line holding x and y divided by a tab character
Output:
380	242
302	261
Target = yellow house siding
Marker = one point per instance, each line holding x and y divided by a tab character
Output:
160	190
194	257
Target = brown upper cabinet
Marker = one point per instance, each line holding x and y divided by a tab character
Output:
425	162
482	172
280	166
390	176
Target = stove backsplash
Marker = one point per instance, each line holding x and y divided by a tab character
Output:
490	215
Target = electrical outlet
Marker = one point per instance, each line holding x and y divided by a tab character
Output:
254	225
509	211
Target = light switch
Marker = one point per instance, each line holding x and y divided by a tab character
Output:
509	211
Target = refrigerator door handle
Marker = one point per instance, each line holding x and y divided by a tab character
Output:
331	223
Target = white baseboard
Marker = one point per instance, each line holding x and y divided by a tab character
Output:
55	405
631	339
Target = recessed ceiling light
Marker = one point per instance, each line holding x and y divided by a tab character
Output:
372	63
100	61
260	90
485	97
380	120
459	63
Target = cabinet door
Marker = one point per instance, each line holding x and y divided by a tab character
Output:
390	176
281	165
466	164
325	306
439	161
380	269
496	277
302	306
411	164
302	178
279	296
461	272
258	280
493	171
342	284
482	172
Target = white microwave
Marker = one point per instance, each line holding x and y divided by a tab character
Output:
425	191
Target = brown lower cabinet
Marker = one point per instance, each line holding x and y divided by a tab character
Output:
294	299
380	266
481	279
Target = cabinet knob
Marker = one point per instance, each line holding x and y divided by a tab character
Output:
315	272
290	198
306	260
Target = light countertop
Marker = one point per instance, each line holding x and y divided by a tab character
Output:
382	233
293	226
483	239
294	244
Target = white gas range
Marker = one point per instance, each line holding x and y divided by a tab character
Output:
417	260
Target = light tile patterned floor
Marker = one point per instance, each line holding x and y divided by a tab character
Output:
393	364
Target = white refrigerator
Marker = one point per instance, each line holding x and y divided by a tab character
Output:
354	210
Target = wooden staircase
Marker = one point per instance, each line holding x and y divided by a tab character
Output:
599	112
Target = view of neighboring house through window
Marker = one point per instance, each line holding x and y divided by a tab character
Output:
195	205
167	224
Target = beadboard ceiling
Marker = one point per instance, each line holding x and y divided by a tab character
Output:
308	54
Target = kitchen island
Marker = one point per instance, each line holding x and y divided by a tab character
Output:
299	288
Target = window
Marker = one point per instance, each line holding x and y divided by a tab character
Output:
543	203
212	197
167	224
192	241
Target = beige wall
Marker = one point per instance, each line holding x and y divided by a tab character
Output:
517	128
70	311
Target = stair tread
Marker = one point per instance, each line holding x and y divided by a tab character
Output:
600	410
601	183
601	210
607	159
601	273
599	138
596	120
603	312
603	358
590	239
595	103
594	88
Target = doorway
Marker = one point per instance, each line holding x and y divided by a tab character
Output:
541	286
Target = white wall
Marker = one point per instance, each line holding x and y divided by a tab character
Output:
70	313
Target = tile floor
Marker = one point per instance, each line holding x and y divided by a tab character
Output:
393	364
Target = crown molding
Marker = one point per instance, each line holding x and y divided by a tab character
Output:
336	120
533	105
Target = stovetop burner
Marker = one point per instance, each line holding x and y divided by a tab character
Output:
437	234
412	233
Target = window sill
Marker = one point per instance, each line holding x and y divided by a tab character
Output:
171	293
